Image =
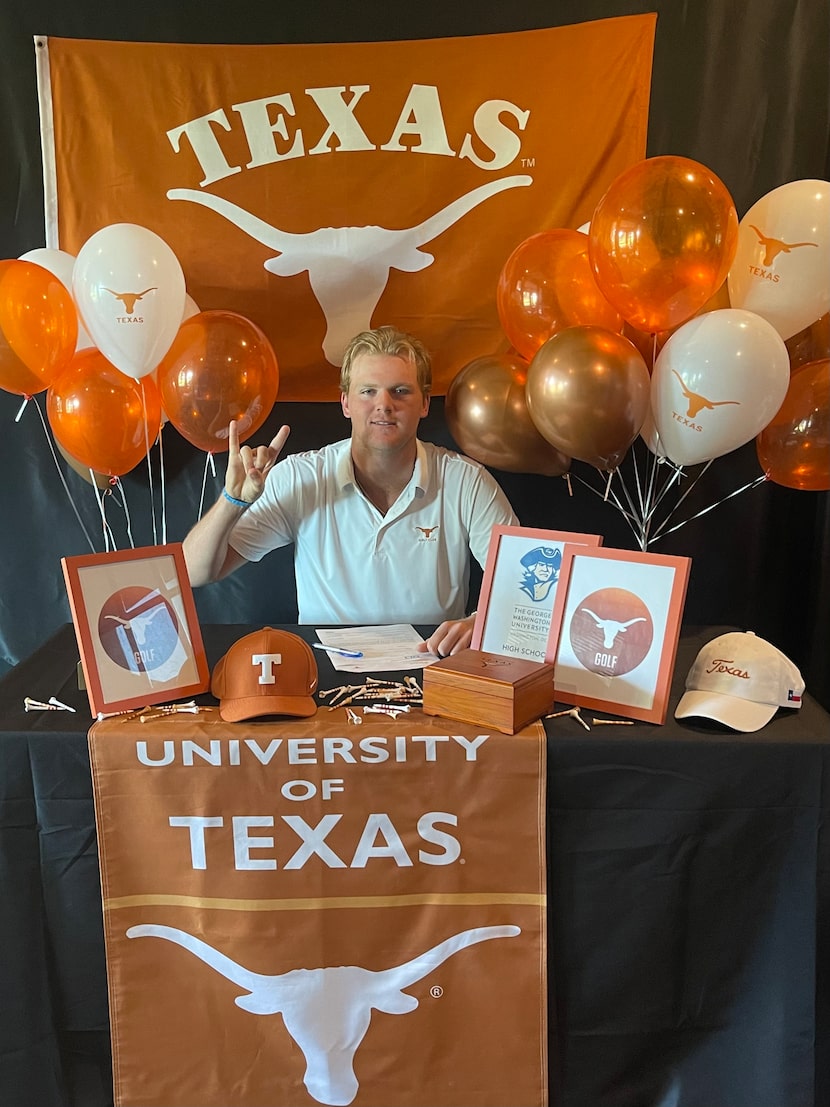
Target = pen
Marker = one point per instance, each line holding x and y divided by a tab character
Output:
336	649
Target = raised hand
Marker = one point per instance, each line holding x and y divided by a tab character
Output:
248	466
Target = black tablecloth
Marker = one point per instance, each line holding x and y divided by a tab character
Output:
689	898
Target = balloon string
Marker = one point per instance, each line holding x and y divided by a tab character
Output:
645	494
208	462
658	498
654	495
653	467
122	503
737	492
109	538
608	483
162	488
661	528
676	474
646	497
149	464
633	516
638	484
629	518
60	472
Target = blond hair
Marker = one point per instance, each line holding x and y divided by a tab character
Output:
388	340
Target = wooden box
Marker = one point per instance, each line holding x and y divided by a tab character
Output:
489	689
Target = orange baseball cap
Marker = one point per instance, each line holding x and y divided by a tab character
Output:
268	672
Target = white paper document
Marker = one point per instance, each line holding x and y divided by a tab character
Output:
384	649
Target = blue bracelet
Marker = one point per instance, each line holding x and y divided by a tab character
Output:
233	500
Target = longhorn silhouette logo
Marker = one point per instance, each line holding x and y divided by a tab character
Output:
611	627
129	299
139	624
327	1011
427	531
348	267
774	246
698	402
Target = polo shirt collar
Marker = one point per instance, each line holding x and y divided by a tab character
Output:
344	468
421	472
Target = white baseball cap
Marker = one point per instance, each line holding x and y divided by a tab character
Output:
740	680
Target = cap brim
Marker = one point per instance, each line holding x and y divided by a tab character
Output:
251	707
733	712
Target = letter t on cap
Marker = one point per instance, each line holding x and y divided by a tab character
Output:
266	662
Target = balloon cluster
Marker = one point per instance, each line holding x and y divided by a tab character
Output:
668	318
119	347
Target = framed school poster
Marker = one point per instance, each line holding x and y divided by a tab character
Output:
518	589
136	625
614	630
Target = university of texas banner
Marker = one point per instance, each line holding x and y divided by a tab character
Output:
321	189
310	913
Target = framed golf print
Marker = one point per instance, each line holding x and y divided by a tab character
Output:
518	589
615	628
136	626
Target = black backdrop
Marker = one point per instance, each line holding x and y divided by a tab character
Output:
739	85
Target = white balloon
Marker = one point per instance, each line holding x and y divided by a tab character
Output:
781	269
60	264
191	308
651	436
717	382
130	291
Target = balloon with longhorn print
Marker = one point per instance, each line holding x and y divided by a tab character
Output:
130	291
716	383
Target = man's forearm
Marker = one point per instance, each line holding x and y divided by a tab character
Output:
206	551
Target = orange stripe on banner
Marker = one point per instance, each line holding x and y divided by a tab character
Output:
325	903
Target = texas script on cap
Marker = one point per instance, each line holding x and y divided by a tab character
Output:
740	680
268	672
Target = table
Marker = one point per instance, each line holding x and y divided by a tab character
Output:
689	903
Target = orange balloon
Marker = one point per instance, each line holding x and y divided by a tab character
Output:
588	392
811	344
220	367
102	417
38	327
546	285
89	475
794	449
487	415
662	240
650	345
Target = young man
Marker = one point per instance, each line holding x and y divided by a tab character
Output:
382	524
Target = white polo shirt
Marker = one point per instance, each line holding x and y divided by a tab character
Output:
354	565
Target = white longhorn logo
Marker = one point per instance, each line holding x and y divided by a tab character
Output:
327	1011
611	627
348	267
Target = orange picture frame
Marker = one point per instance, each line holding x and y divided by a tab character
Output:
521	577
615	628
137	629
